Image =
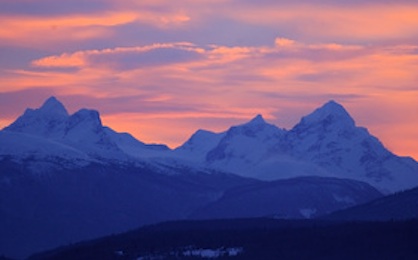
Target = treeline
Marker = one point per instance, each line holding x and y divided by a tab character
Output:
258	238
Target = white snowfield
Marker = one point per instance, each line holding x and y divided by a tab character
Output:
191	251
325	143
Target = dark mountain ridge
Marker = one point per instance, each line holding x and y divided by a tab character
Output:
399	206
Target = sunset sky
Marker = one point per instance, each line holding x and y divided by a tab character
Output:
162	69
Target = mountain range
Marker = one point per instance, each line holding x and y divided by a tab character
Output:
325	143
66	178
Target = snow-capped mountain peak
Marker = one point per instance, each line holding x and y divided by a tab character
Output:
258	120
85	126
199	144
255	128
325	143
87	117
82	131
42	121
53	106
202	138
245	144
330	114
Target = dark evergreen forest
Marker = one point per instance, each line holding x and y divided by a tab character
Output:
258	239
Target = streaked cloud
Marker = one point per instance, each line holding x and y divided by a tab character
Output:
30	31
324	21
46	30
124	57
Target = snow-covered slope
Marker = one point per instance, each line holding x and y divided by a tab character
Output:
250	143
242	149
46	121
131	146
38	152
325	143
329	138
199	144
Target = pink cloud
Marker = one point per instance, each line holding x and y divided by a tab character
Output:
46	31
173	52
176	68
284	42
26	30
333	21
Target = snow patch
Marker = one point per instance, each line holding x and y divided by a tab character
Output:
191	251
307	213
120	253
344	199
213	253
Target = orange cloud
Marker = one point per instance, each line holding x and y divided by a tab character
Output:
64	60
356	22
284	42
29	30
353	68
46	31
177	95
81	58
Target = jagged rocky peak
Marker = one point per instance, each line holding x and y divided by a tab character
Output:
254	126
258	120
53	106
201	140
202	136
199	136
334	110
202	133
87	114
41	120
85	118
330	114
